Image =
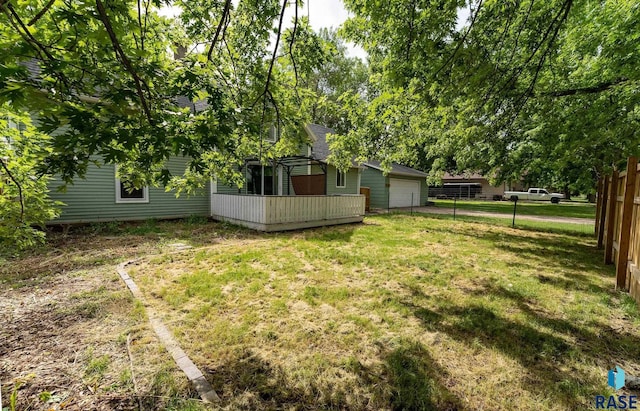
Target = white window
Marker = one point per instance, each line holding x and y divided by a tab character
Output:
341	179
273	134
127	195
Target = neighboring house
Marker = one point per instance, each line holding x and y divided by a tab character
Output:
471	186
401	187
293	192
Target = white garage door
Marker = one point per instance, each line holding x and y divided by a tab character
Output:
401	192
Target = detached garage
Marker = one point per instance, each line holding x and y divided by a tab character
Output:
402	187
404	193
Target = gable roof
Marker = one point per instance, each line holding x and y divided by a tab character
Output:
397	169
319	147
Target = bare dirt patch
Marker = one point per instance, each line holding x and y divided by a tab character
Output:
52	333
69	325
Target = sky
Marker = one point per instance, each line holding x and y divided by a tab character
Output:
322	13
330	13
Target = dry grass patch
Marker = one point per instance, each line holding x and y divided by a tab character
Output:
398	313
63	345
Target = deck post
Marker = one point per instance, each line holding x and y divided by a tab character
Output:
625	223
610	223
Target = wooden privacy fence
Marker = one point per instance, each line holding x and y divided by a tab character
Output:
618	225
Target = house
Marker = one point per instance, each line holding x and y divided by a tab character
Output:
101	196
293	192
472	185
306	173
401	187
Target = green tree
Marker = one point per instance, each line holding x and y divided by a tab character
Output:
539	89
338	75
106	83
24	204
101	78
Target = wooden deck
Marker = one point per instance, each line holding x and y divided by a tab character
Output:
281	213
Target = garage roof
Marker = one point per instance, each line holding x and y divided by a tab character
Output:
397	169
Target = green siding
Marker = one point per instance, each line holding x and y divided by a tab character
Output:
351	186
379	185
377	182
233	189
94	199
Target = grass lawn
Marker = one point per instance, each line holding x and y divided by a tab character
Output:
540	208
401	312
523	224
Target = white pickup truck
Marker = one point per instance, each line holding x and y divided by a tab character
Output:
533	194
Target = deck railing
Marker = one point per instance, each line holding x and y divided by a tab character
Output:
270	212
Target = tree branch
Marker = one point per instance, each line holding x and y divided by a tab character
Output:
26	34
293	38
15	181
273	57
566	6
124	59
411	23
553	27
462	40
140	26
598	88
42	12
495	83
223	19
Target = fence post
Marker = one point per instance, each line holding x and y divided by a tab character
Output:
454	208
598	206
603	211
610	222
625	223
412	203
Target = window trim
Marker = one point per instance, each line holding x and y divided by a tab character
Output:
344	179
272	135
120	200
